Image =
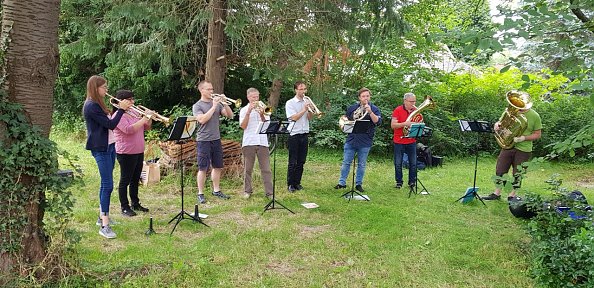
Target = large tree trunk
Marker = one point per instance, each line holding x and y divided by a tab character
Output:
31	69
215	52
277	83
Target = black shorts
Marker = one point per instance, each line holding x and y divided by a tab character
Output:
209	152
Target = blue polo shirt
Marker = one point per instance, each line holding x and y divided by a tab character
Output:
364	139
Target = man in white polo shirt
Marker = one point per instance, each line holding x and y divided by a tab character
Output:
297	110
254	144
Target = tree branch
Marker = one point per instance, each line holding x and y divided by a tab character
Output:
580	15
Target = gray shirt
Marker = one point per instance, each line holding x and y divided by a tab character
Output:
209	131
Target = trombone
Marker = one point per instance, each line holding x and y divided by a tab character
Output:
140	111
313	108
227	100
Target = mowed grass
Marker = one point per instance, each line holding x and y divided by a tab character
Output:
392	240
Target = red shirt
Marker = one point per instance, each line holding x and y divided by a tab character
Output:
400	114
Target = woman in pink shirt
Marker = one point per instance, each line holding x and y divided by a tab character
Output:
130	154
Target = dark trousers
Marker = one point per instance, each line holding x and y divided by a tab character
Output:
130	169
297	154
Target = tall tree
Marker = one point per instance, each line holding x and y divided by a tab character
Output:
215	52
30	29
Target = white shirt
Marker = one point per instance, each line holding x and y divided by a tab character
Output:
251	135
292	107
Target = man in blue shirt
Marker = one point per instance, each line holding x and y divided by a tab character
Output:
359	143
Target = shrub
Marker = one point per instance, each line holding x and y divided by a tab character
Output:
562	246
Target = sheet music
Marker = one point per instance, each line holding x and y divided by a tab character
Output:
189	129
416	130
464	126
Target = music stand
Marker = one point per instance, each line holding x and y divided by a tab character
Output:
182	130
274	128
360	127
418	131
479	127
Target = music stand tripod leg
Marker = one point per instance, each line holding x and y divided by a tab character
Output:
353	191
270	204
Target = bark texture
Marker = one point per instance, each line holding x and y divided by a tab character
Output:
31	70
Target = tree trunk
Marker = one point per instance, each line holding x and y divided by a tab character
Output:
215	52
277	83
31	69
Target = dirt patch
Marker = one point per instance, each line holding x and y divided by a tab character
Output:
586	183
312	231
281	268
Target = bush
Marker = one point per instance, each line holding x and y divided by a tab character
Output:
562	245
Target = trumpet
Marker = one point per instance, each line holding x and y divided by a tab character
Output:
139	111
261	107
227	100
313	108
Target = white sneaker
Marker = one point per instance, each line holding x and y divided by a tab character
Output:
246	195
107	232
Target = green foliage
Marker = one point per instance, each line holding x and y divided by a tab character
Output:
482	97
28	173
562	247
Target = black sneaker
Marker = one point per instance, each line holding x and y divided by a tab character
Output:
491	196
220	195
359	188
299	187
128	212
339	186
292	188
398	185
201	199
139	207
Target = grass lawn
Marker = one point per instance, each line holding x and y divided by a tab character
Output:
393	240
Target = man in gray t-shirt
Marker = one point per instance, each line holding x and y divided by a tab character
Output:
208	138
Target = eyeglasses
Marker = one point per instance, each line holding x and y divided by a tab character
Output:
411	101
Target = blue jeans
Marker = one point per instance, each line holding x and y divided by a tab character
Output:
348	156
411	152
105	162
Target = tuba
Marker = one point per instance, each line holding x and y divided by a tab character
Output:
415	116
512	124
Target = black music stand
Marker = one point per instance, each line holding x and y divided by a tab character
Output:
418	131
274	128
360	127
479	127
182	130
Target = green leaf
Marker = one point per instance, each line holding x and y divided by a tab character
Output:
484	43
504	69
526	78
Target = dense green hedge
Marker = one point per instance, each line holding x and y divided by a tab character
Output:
466	97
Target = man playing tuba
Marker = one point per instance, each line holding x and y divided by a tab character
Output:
359	144
521	146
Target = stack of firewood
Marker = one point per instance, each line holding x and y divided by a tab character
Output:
232	158
172	153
